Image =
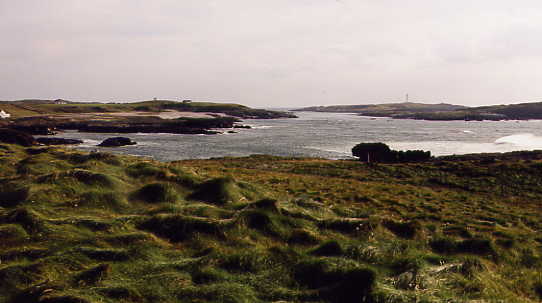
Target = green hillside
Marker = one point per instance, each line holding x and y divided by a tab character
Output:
25	108
78	227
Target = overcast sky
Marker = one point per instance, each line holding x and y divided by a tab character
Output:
273	53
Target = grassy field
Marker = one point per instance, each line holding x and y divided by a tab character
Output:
78	227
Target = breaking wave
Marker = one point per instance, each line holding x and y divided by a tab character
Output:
521	140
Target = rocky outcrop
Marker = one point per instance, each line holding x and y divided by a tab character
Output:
116	142
12	136
58	141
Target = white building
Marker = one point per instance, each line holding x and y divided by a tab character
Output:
4	115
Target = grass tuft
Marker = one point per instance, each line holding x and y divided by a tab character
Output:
93	275
104	254
328	248
178	228
157	193
406	230
31	221
218	191
12	195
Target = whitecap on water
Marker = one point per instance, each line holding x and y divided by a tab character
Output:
522	140
89	143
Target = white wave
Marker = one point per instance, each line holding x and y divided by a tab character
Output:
521	140
89	143
468	131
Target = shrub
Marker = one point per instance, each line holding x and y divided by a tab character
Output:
380	152
373	152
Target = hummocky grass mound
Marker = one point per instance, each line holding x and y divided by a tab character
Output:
97	227
223	190
157	193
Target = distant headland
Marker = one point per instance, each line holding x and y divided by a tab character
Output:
43	117
441	111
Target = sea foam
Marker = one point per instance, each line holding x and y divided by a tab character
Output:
522	140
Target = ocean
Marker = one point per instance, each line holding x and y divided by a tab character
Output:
330	135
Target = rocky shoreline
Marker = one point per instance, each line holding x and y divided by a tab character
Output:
48	126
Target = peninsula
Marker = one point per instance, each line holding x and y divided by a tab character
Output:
43	117
441	111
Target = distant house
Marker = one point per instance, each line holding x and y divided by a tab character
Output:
4	115
187	101
60	101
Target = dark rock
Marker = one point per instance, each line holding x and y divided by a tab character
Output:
11	136
242	126
117	141
232	132
58	141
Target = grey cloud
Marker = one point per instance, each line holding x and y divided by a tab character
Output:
272	53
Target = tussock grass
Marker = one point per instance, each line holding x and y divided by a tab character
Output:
105	200
12	195
103	228
12	234
31	221
220	191
104	254
178	228
157	193
93	275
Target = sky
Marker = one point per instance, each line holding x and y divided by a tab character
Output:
274	53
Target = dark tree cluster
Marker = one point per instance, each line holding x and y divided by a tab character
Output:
380	152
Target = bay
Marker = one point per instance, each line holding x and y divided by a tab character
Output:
330	135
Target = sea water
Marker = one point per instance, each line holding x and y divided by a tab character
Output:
331	135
